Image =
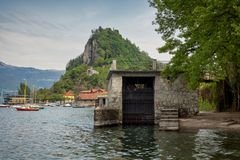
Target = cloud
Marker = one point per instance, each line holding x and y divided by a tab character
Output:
39	52
48	37
30	40
139	29
32	24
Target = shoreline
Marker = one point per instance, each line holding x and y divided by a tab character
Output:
227	121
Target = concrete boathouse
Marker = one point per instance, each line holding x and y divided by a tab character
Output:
145	97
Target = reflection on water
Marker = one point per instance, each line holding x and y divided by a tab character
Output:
212	144
68	133
207	144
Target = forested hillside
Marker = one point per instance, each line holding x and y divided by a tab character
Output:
107	44
103	46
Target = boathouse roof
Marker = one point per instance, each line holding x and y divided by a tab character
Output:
133	73
91	94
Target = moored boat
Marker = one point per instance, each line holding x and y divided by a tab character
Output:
37	106
27	108
41	107
67	105
4	106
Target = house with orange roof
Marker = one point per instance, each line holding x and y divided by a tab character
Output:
69	96
88	98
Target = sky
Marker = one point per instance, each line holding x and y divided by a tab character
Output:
46	34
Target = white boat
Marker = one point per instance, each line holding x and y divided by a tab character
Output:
67	105
37	106
15	106
4	106
50	105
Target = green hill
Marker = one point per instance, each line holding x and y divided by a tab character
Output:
103	46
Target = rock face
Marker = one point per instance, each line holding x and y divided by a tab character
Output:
90	52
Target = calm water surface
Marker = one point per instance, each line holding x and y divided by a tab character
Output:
68	133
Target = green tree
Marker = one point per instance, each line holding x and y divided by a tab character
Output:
204	37
45	94
24	89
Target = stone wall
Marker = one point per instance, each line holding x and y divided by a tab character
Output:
175	95
166	95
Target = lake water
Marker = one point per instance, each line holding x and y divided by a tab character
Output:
68	133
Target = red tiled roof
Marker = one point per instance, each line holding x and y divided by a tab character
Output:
91	94
69	93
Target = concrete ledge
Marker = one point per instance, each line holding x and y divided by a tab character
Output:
106	123
106	116
169	124
168	128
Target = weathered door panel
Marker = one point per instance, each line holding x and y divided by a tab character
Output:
138	100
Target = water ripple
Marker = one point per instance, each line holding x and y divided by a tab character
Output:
68	133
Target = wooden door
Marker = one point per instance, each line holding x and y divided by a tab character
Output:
138	100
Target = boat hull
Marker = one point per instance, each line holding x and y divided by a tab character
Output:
4	106
27	109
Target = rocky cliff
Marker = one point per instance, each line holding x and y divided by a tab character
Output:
90	52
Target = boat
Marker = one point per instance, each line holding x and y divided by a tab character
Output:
4	106
27	108
50	104
67	105
41	107
15	106
36	106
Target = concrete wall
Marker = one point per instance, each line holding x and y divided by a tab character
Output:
115	93
106	116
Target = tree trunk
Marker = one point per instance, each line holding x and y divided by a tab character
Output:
228	99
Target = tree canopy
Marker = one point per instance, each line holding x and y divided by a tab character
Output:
24	89
45	94
203	36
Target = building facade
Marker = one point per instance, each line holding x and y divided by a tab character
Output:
88	98
13	100
69	97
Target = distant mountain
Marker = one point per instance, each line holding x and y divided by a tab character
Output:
11	76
